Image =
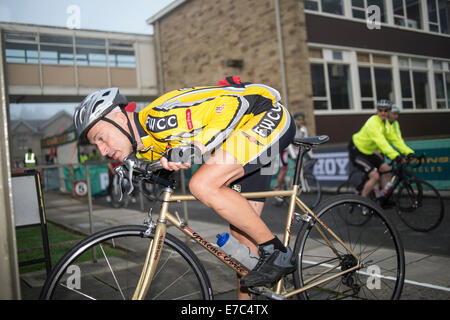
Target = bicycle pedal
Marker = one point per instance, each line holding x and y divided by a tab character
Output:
263	291
302	217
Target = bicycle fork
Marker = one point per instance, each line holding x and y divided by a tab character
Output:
154	250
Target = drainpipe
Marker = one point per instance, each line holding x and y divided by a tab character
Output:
281	51
158	52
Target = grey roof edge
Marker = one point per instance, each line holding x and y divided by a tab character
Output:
165	11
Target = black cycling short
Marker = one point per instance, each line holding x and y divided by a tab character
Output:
364	162
259	174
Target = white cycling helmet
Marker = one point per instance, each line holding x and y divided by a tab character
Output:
94	108
395	108
384	104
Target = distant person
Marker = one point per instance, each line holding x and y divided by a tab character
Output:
393	120
376	133
290	151
84	156
95	156
30	158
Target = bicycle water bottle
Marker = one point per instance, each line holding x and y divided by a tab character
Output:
231	246
386	189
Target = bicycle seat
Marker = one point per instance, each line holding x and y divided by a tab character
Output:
311	141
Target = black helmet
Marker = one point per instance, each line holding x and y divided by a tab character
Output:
384	104
299	115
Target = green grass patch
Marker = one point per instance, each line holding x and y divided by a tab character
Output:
30	246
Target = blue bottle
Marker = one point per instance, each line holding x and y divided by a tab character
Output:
231	246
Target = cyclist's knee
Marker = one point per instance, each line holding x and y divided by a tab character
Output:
374	175
197	187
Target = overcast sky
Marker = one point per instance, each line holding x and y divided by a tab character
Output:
106	15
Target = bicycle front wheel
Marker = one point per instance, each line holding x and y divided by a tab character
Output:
113	270
420	205
321	258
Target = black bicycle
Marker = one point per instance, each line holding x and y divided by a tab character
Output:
418	204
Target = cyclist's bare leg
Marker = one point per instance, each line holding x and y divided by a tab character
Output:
385	177
244	239
210	183
374	176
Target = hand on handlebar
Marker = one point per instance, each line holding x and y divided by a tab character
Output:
181	157
400	160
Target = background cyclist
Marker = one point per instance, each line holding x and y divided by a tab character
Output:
376	133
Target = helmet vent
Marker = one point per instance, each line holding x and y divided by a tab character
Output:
106	93
99	102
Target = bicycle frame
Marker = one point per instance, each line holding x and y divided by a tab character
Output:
156	246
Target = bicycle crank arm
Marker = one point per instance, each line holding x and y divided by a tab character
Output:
263	291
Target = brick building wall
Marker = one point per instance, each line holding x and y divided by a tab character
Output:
196	39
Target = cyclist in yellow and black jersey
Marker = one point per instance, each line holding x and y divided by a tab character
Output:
239	128
208	116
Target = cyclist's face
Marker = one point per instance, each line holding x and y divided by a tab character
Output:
109	140
383	113
393	116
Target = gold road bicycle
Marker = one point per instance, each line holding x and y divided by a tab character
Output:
334	260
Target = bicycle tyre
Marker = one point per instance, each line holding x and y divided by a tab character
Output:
347	188
419	205
312	186
377	244
97	281
355	217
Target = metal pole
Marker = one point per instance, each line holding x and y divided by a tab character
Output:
9	268
91	223
281	52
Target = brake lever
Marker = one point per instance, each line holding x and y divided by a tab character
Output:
130	163
119	171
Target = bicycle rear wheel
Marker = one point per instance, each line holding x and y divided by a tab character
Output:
420	205
376	243
120	254
355	216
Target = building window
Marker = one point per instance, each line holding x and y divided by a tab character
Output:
340	86
331	80
91	52
442	84
121	54
439	15
320	99
407	13
414	83
375	79
56	49
327	6
21	48
359	8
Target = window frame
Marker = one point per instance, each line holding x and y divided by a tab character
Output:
390	16
395	67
